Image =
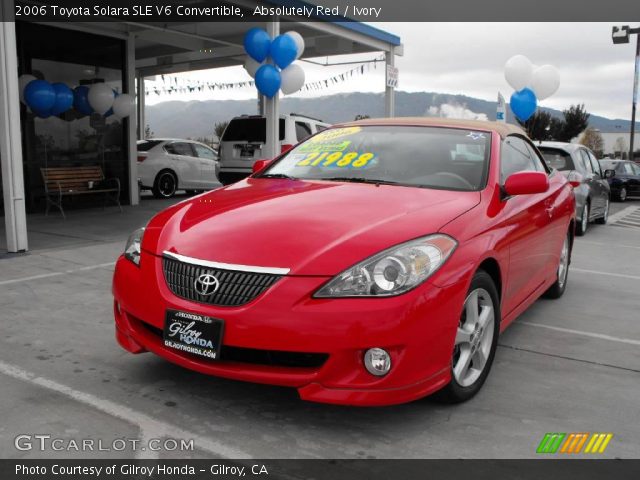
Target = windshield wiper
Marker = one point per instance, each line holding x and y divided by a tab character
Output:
277	175
361	180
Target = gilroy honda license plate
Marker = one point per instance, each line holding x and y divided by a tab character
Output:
193	333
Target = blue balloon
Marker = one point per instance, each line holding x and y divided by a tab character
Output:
257	43
80	100
64	99
268	80
40	96
523	104
283	50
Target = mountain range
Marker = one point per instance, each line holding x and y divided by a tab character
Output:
196	119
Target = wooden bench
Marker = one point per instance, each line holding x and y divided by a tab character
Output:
60	182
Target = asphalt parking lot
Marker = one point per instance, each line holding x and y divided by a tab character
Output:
568	365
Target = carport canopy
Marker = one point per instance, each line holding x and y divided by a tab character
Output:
156	48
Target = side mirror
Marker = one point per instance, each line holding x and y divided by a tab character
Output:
259	165
526	183
609	173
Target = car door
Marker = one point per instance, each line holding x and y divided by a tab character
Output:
602	185
185	164
592	179
633	171
527	221
207	160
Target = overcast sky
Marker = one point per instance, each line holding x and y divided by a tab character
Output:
468	59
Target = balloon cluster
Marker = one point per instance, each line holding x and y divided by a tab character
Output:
531	83
46	99
284	50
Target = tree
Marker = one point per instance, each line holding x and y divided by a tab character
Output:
219	129
538	127
148	133
576	120
592	139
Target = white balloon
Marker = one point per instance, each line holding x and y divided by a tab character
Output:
292	79
123	105
519	72
101	97
299	42
251	66
546	81
23	81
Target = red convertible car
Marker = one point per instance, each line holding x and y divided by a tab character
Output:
373	264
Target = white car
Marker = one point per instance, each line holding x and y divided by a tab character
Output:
166	165
243	141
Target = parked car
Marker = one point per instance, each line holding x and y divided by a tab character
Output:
369	265
243	140
166	165
582	169
624	178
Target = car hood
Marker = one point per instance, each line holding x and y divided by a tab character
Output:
309	227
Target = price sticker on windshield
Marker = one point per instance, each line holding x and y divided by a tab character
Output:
335	159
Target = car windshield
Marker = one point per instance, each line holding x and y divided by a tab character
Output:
430	157
609	165
556	158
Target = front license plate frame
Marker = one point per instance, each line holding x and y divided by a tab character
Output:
193	333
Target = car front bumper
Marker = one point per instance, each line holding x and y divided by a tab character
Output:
416	328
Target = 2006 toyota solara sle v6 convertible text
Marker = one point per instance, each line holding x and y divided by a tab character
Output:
372	264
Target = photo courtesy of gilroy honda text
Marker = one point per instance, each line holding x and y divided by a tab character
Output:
367	265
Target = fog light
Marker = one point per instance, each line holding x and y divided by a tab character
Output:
377	361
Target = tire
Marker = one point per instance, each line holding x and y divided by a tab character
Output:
165	184
475	342
557	289
583	225
622	194
605	216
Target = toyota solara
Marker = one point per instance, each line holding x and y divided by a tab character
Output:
372	264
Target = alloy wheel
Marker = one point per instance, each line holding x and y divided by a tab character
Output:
563	265
474	337
167	184
585	218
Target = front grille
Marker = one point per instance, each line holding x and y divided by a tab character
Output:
235	288
254	356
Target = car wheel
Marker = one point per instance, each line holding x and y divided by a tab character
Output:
475	342
165	185
605	216
581	229
557	289
622	194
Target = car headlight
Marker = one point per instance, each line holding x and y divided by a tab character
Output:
393	271
132	249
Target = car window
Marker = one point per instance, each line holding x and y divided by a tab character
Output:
516	157
587	162
303	130
628	168
594	162
541	166
249	129
204	152
320	128
179	148
146	145
559	159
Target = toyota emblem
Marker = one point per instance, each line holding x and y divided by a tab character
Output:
206	284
